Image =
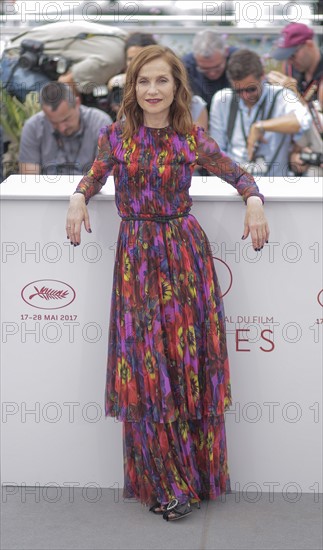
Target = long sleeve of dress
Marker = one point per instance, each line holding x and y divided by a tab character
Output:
101	168
210	156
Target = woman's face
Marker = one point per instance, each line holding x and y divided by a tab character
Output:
155	90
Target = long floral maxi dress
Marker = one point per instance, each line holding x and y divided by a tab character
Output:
167	374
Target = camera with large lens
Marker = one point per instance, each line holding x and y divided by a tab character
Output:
314	159
116	95
32	58
30	54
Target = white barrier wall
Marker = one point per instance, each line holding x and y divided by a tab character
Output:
54	320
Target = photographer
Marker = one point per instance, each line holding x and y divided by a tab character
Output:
84	55
306	158
61	138
254	121
298	49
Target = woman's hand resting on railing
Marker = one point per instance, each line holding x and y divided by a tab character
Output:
76	215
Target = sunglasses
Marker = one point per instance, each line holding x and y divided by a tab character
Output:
248	90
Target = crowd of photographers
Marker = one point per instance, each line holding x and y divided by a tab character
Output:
269	123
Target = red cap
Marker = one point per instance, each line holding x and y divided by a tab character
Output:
292	36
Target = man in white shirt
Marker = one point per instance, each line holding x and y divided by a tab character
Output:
254	121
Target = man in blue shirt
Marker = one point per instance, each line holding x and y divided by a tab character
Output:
254	121
206	65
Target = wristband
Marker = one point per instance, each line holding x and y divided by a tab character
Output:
260	126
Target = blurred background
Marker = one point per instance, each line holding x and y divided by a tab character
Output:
243	23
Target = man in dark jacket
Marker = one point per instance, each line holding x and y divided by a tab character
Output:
206	65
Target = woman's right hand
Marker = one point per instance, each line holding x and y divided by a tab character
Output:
76	214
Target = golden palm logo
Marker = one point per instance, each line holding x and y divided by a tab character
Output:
48	294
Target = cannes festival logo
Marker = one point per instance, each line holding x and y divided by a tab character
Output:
48	294
224	274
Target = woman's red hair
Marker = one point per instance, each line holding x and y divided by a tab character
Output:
179	114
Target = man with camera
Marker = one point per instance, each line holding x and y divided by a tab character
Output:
303	68
306	158
62	137
254	121
84	55
303	61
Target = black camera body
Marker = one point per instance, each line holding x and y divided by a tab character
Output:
32	58
30	54
35	68
314	159
116	95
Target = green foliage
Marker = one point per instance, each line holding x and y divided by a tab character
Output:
13	116
14	113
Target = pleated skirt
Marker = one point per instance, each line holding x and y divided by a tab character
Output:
168	376
186	460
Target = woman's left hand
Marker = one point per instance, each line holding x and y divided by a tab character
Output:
256	223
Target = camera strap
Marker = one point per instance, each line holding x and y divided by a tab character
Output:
234	108
260	115
61	145
316	119
282	138
311	90
309	94
80	36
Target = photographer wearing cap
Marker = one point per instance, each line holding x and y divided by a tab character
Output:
304	62
60	139
303	67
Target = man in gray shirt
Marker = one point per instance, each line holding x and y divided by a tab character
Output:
62	138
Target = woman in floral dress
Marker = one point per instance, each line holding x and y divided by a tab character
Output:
168	375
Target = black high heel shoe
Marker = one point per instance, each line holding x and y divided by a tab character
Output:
175	510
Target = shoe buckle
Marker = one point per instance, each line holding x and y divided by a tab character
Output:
172	504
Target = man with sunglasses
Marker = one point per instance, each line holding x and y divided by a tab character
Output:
206	65
254	121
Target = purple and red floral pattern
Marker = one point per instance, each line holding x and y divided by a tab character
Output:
168	374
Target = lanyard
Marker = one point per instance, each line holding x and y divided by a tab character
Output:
316	119
310	90
260	110
308	95
61	146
